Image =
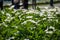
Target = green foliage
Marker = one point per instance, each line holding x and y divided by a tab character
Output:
29	24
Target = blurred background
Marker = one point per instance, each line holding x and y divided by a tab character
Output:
7	2
40	3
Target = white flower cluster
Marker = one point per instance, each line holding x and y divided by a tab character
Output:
16	33
26	39
30	21
29	17
32	28
10	38
4	24
52	29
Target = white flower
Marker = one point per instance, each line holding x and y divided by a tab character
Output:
24	22
30	21
17	13
43	10
10	38
41	13
15	27
2	12
8	19
14	11
52	28
16	33
30	11
24	10
49	14
57	20
32	28
44	18
57	7
50	17
7	14
57	12
50	31
26	39
52	10
4	24
11	7
46	7
29	16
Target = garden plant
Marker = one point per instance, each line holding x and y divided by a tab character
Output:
22	24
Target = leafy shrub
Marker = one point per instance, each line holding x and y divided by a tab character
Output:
43	24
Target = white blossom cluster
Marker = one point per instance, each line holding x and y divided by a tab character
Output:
34	16
50	31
